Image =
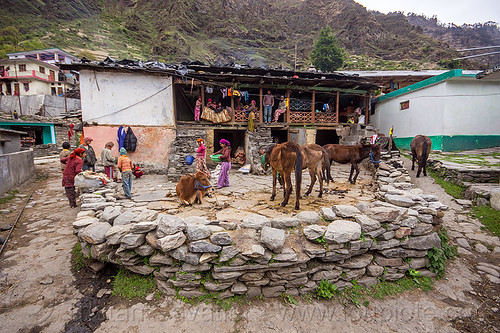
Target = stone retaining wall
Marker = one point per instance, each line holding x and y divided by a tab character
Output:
460	175
257	256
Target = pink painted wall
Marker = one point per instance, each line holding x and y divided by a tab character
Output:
153	143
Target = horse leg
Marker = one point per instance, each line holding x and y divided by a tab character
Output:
413	160
419	170
357	173
320	180
288	189
313	180
350	175
273	194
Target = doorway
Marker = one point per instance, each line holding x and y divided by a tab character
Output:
235	137
324	137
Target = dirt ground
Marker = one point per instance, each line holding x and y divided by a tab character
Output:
41	293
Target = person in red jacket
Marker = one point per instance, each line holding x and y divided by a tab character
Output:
74	163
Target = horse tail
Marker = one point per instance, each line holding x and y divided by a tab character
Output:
423	158
299	161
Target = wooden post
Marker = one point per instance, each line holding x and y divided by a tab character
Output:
202	96
337	106
367	106
232	109
288	107
313	116
261	113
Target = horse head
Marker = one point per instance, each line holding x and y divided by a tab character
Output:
375	155
265	156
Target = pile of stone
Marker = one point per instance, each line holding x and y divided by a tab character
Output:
258	256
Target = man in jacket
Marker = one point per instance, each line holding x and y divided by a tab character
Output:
90	159
108	160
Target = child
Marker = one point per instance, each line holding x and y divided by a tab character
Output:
74	163
64	153
125	166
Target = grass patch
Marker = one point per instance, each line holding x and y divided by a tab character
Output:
454	190
438	257
131	285
78	260
489	217
10	195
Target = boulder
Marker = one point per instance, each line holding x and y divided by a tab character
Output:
171	242
255	221
424	242
131	241
285	222
308	217
374	270
179	253
169	225
367	224
109	214
314	231
94	233
273	238
203	246
327	213
84	222
227	253
197	231
124	218
495	198
345	210
221	238
342	231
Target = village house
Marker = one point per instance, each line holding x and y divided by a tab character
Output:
157	101
455	109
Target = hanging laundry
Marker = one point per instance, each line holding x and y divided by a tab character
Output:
246	96
209	90
230	92
120	138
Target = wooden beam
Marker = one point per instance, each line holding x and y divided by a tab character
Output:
202	96
261	113
232	109
308	88
313	109
288	107
337	106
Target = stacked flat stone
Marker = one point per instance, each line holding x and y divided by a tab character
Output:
184	144
256	141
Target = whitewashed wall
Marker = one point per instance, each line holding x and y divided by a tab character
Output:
454	107
114	98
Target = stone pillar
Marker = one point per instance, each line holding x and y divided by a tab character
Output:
184	144
255	141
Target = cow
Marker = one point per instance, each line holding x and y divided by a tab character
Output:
191	188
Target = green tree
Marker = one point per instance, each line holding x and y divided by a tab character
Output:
326	54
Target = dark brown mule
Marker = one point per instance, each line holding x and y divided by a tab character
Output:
285	158
353	154
316	160
420	149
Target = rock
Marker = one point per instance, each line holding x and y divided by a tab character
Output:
110	214
141	269
362	207
422	229
495	198
179	253
169	225
493	279
272	291
196	220
198	231
254	251
345	211
410	222
383	214
94	233
463	252
191	293
327	213
367	224
367	281
481	202
488	270
342	231
417	263
221	238
254	292
399	200
481	248
192	259
83	223
46	280
131	241
308	217
285	222
374	270
424	242
429	197
171	242
255	221
314	231
145	215
203	246
124	218
330	275
143	227
145	250
273	238
402	232
463	202
383	261
206	257
227	253
425	218
212	286
463	243
286	255
160	259
152	239
375	233
239	288
357	262
103	292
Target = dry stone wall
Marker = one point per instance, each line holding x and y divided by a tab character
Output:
260	256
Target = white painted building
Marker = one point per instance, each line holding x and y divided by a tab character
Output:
456	110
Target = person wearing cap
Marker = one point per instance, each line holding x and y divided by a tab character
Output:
90	159
74	163
223	180
125	166
201	164
108	160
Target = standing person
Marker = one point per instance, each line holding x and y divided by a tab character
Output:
90	159
125	166
223	180
201	164
108	160
64	153
251	121
197	109
74	163
268	102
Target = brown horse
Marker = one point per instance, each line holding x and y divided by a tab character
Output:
316	160
284	158
353	154
420	149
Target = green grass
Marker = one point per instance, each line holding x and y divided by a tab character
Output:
131	285
489	217
10	195
454	190
78	259
439	256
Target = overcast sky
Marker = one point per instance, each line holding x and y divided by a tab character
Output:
447	11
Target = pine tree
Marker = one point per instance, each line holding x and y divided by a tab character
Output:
326	54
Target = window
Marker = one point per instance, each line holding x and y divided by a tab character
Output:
52	75
59	91
42	70
26	86
404	105
22	68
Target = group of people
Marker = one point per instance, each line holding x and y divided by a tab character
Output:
83	158
201	165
